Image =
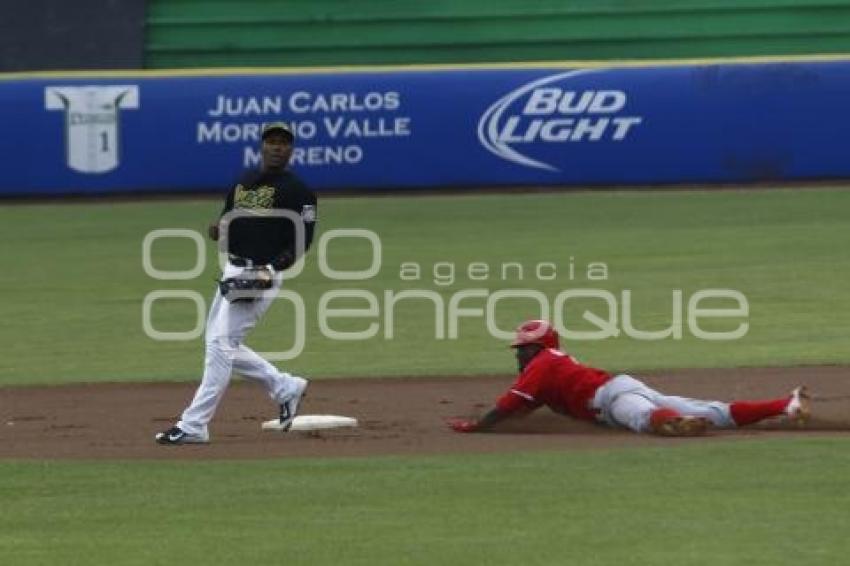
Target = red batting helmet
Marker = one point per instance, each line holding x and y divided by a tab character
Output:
536	332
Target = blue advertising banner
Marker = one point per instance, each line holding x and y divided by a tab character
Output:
733	122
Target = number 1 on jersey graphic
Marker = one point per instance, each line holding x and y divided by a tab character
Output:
92	126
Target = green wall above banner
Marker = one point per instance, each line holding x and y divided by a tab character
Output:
214	33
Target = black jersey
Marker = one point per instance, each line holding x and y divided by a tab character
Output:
265	239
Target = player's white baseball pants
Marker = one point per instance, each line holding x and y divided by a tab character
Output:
227	326
627	402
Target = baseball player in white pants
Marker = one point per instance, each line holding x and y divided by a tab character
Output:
227	326
269	215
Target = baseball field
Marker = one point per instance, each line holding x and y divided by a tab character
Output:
93	367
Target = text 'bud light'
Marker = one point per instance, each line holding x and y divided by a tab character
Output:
541	113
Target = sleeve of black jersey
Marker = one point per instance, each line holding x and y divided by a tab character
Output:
289	255
231	194
228	202
310	227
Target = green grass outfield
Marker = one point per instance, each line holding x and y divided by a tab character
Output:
73	290
775	503
74	285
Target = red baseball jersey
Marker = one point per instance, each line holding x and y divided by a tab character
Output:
557	380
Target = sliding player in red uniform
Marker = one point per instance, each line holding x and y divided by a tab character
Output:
553	378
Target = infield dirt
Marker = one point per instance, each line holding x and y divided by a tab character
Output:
398	416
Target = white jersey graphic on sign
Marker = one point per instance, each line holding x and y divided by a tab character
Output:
91	122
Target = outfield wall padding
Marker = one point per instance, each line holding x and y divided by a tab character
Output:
396	129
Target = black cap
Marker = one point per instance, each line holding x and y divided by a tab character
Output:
277	127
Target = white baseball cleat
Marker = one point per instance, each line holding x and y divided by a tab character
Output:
289	408
176	435
798	410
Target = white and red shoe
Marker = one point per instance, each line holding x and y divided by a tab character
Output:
799	410
667	422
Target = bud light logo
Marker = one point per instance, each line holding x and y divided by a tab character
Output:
552	111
